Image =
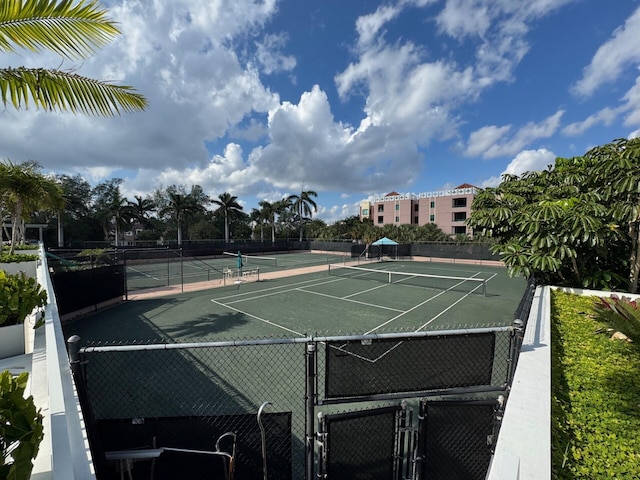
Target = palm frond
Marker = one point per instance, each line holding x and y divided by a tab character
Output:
72	30
61	91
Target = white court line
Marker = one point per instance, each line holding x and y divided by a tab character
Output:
452	305
301	289
287	288
347	299
143	273
277	287
258	318
386	352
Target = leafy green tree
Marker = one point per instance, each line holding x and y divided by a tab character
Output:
108	205
73	31
563	224
229	208
303	205
315	228
76	193
617	173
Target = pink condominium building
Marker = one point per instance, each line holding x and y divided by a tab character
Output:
448	209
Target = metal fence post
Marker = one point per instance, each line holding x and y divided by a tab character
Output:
77	370
516	345
310	401
181	272
126	286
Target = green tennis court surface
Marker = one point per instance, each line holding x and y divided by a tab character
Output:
316	303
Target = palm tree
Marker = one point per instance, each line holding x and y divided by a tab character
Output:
229	207
140	208
122	213
302	206
74	31
268	213
180	207
258	220
24	190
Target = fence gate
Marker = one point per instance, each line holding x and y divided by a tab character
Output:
369	444
455	439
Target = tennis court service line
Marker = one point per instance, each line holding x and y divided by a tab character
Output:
424	303
252	294
308	283
346	299
258	318
451	306
389	350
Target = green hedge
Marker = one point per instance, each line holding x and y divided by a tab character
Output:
595	395
18	257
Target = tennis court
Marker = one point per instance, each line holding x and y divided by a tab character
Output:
176	270
256	364
363	301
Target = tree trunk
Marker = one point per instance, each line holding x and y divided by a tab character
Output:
226	228
14	227
60	231
634	261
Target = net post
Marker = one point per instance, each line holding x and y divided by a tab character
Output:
310	401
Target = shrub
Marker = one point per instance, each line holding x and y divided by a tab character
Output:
621	313
21	428
19	296
17	257
596	415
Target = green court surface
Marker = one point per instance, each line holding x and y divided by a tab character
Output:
314	304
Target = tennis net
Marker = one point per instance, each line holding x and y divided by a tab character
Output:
254	259
425	280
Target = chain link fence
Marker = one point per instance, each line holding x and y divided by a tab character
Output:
189	395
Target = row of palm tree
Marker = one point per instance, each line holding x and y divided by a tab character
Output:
24	191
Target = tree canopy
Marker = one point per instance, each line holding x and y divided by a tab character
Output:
577	223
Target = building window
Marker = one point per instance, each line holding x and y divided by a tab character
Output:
380	219
459	216
459	202
415	207
460	230
415	220
365	212
432	218
397	219
397	207
380	208
432	204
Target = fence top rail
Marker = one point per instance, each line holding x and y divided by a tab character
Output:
290	341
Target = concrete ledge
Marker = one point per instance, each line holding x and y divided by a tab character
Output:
523	450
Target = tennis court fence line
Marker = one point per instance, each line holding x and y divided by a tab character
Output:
181	395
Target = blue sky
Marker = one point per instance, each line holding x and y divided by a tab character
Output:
351	99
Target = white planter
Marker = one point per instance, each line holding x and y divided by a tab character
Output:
12	341
29	268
